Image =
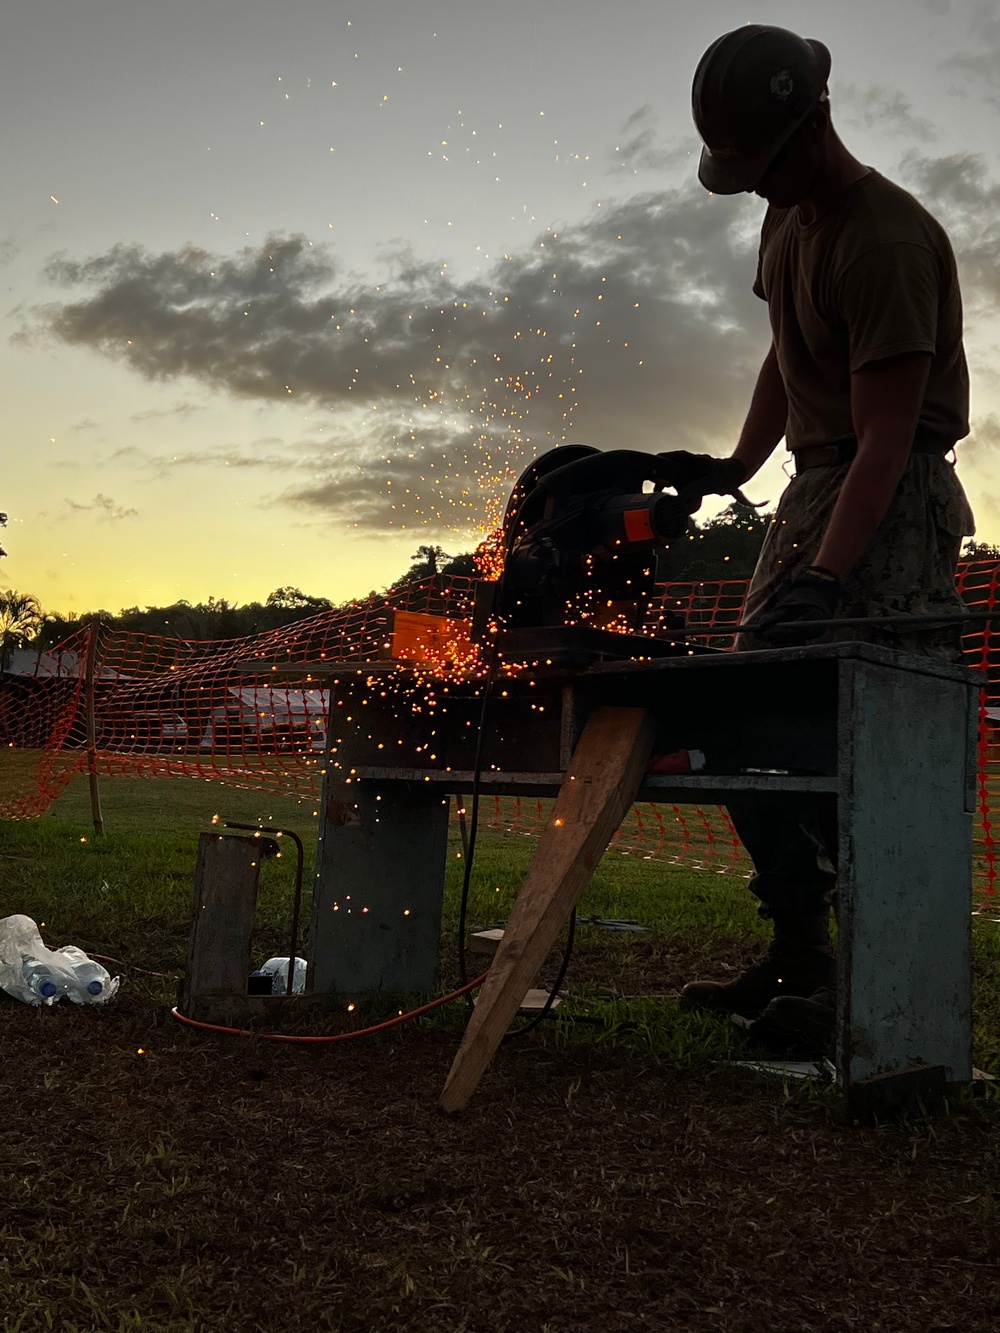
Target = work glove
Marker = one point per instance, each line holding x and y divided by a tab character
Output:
693	476
814	595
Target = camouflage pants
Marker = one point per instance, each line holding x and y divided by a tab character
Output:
908	569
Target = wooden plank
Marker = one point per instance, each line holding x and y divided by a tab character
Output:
601	783
225	903
917	1090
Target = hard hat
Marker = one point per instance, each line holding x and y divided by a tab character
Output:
752	89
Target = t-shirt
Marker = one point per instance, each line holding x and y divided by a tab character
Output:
872	278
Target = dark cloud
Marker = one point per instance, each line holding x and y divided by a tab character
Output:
630	330
101	506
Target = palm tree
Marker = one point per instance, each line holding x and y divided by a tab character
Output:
21	618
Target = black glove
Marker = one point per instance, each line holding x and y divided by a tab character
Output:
814	595
693	476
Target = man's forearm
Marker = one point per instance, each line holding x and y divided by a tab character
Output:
766	420
862	503
885	406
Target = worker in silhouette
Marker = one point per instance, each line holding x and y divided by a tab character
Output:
866	382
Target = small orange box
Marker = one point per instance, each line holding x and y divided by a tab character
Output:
638	527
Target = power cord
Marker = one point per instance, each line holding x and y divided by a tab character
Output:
470	852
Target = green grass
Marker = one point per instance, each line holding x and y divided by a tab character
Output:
611	1173
128	894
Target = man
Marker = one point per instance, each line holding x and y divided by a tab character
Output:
866	380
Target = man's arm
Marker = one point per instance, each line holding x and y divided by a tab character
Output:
697	475
885	405
766	420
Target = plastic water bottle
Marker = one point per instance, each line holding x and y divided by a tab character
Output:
36	975
86	980
89	977
40	979
277	970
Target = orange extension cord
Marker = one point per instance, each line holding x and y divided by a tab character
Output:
340	1036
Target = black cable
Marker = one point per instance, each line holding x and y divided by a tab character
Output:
546	1008
470	851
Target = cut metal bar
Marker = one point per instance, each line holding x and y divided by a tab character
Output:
297	899
855	622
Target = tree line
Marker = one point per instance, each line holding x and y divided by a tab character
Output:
724	547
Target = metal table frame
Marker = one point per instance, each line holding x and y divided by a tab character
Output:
889	736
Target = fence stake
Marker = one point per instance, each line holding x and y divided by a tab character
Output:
90	682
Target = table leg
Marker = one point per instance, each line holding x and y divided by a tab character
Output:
376	921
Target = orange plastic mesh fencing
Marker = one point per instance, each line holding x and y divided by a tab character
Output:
166	707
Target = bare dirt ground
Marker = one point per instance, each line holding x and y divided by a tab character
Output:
158	1179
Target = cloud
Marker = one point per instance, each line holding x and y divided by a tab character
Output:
886	110
958	190
984	439
640	149
183	410
976	68
101	506
9	250
85	424
628	330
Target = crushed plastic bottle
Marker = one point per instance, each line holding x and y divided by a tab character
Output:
89	979
277	970
41	980
36	975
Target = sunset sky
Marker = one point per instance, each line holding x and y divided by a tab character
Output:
292	289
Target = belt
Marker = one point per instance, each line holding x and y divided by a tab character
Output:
830	455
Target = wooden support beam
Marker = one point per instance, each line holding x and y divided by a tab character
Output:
601	783
214	989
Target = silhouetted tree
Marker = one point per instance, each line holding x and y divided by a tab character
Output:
726	547
973	550
21	617
293	599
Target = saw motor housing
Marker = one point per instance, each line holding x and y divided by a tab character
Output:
580	539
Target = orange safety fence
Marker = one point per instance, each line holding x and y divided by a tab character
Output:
168	707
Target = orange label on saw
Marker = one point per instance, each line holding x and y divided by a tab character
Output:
637	525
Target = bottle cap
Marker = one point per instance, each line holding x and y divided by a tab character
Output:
95	987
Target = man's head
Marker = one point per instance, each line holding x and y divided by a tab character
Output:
759	101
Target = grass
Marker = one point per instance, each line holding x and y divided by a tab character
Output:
611	1174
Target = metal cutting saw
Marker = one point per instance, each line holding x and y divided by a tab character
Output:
580	540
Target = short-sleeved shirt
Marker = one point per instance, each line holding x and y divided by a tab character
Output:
872	278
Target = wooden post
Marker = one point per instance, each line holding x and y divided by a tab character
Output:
214	989
90	689
600	785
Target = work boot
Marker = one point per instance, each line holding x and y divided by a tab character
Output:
799	961
807	1026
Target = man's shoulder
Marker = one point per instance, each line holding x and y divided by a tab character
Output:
880	212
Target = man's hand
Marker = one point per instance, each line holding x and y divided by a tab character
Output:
814	595
693	476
